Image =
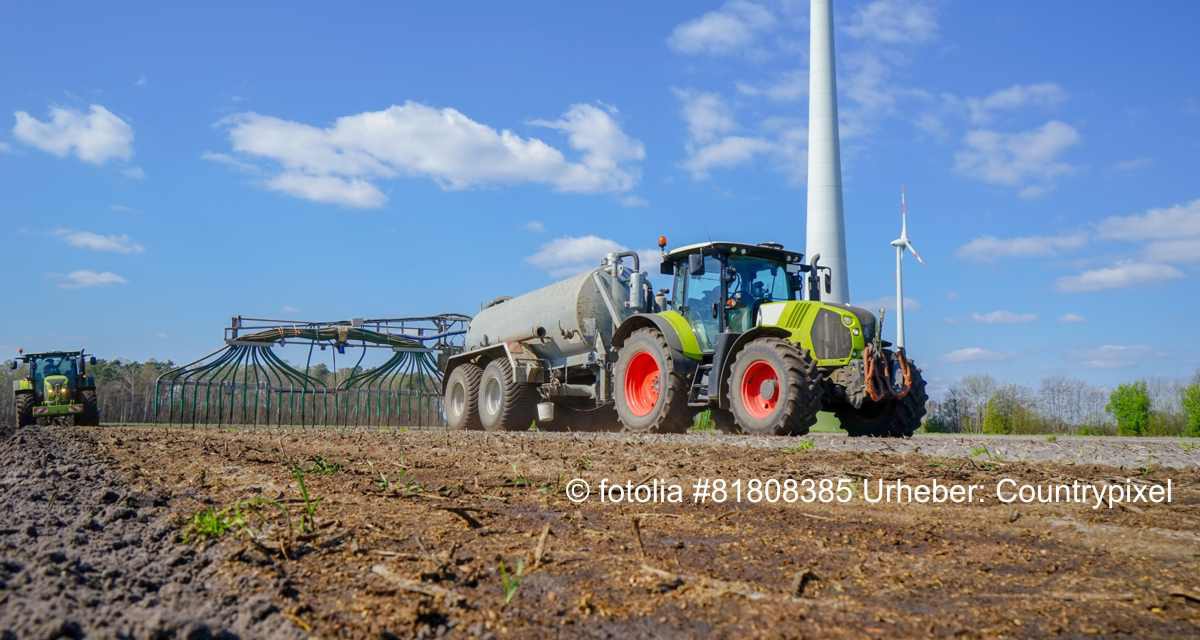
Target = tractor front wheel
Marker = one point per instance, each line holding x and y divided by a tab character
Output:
461	402
504	403
888	418
24	411
91	409
650	389
774	388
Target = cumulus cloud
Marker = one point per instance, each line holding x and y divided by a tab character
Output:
231	162
894	22
95	137
787	87
1045	94
87	278
1116	277
1071	318
706	115
569	255
1178	221
1177	251
1028	160
341	163
134	173
989	248
99	242
973	354
732	28
1001	316
712	143
1113	356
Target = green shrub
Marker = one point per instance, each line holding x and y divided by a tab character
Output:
1129	404
1191	410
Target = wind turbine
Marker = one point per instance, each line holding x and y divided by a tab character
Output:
901	244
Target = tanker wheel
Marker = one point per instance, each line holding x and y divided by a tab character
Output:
774	388
461	401
91	409
505	405
24	409
888	418
650	390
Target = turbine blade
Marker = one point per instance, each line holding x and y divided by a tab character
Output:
913	250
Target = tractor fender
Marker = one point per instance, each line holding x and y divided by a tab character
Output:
726	363
686	352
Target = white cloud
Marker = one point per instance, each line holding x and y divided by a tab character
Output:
733	27
710	144
120	208
1177	251
973	354
94	137
1001	316
1181	220
1045	94
787	87
1029	160
894	22
1071	318
887	302
536	226
350	192
633	202
724	154
87	278
97	242
1113	356
989	248
706	114
134	173
1133	164
1122	275
230	161
340	163
569	255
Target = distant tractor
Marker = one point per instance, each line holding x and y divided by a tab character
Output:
58	389
736	335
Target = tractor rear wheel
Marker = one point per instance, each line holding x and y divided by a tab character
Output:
650	388
724	421
24	404
774	388
888	418
504	404
91	409
461	402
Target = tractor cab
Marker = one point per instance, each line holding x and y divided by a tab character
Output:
719	287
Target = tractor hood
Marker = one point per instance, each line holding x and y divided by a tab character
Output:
870	324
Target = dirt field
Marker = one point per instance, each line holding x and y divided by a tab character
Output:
405	534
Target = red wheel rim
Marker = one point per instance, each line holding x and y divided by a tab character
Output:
760	389
641	383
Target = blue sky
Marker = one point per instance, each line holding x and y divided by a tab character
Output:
162	169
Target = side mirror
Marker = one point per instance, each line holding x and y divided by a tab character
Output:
696	264
92	360
666	268
828	283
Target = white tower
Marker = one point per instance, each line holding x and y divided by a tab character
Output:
826	229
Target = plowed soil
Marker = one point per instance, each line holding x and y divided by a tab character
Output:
405	534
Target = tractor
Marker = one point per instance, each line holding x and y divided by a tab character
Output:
57	390
742	333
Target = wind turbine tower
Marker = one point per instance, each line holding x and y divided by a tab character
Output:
826	228
901	244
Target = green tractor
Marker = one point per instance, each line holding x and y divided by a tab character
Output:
745	334
57	390
742	333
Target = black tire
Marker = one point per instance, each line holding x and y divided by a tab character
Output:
91	409
505	405
24	409
653	397
461	400
890	418
789	406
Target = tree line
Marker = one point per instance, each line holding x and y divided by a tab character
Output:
1060	404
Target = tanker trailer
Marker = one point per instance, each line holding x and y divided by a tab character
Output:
550	347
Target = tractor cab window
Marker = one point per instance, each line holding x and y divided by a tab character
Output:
58	366
752	282
702	292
